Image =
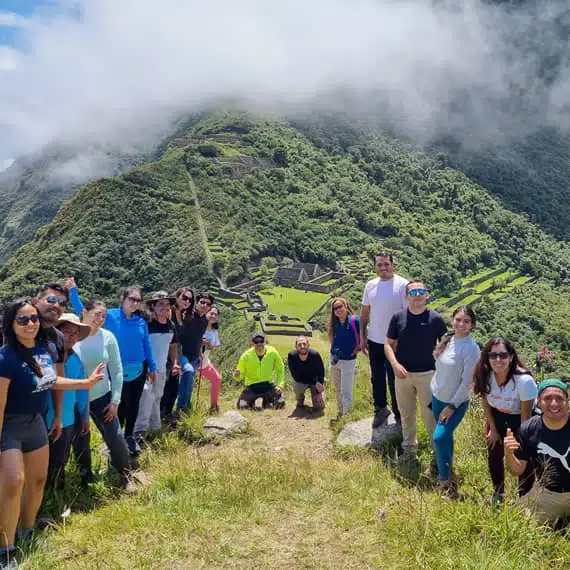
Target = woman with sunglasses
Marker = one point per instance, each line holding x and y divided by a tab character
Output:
455	358
131	331
184	304
28	372
508	391
190	335
344	336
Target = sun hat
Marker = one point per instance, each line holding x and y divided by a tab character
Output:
159	296
84	329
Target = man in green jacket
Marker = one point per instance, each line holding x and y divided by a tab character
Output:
262	370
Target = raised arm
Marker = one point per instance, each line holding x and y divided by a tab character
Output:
74	295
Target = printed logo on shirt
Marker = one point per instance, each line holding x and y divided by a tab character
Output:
49	375
545	449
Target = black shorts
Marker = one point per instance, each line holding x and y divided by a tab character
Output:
26	432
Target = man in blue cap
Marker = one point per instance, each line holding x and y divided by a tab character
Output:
545	440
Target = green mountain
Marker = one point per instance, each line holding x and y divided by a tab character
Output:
228	189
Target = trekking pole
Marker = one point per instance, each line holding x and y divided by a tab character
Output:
199	381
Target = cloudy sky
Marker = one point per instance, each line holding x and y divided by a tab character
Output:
117	71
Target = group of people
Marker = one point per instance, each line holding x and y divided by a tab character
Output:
133	367
125	368
413	355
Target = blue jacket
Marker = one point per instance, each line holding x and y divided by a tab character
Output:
131	334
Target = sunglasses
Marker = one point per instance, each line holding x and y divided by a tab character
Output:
416	292
134	299
498	355
23	320
260	341
337	307
204	302
187	298
53	299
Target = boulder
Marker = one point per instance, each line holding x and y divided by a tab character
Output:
231	422
361	434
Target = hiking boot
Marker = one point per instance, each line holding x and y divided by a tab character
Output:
497	499
380	417
447	488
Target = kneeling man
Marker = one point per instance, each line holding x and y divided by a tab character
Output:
308	371
545	440
263	373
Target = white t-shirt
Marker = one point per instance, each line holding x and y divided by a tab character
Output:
213	337
385	299
507	398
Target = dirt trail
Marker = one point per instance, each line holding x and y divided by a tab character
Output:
281	431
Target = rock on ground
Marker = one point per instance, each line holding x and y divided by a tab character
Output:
360	433
230	422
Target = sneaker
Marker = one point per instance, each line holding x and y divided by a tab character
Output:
258	404
134	447
214	410
243	405
129	487
279	404
447	488
380	417
8	560
497	499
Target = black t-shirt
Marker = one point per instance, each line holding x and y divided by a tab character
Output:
308	371
156	327
550	450
190	335
417	336
56	336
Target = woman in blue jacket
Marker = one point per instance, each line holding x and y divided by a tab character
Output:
131	332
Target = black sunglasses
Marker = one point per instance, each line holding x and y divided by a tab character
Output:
187	298
498	355
259	341
53	299
134	299
23	320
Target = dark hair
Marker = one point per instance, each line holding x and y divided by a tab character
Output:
127	291
179	292
92	303
448	336
334	320
482	372
384	254
200	295
62	289
415	280
215	325
10	338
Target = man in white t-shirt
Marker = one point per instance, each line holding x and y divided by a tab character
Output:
383	297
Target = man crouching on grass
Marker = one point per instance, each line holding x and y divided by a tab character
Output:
545	440
263	373
308	371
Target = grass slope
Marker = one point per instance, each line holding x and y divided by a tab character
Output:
283	497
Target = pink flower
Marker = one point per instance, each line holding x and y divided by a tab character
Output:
382	514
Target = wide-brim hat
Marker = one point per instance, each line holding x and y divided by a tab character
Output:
84	329
159	296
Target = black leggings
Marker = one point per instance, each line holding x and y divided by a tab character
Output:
496	454
129	406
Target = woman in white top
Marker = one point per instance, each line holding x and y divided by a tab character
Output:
211	341
455	359
508	391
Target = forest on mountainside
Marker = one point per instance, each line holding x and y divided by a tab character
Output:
311	191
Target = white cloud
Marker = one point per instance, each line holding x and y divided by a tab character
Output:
13	20
117	71
5	164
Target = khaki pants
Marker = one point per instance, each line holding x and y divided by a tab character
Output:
300	389
546	505
414	383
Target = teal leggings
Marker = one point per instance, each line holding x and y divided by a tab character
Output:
443	435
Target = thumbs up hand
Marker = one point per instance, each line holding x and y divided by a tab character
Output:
510	442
